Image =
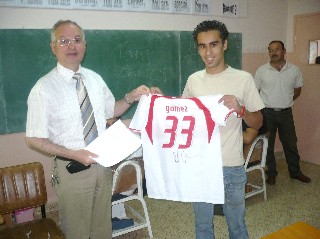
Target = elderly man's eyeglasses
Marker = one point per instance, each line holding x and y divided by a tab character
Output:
67	42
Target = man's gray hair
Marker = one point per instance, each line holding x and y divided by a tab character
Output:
62	22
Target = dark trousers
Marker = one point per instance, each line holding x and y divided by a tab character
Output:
283	122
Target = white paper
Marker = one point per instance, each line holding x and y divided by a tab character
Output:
114	145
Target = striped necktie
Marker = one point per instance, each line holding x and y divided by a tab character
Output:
90	131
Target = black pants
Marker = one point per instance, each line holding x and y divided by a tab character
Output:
283	122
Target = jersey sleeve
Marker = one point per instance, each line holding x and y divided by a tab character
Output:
219	112
140	116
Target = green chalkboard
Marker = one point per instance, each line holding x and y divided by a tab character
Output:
124	58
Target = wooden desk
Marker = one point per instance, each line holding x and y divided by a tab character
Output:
298	230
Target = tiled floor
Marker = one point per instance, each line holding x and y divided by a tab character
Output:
288	201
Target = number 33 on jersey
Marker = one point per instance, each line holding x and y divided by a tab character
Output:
181	147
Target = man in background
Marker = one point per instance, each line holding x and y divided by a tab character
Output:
280	83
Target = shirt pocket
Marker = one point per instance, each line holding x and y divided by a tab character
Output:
65	113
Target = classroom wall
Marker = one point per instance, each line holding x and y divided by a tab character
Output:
254	32
265	21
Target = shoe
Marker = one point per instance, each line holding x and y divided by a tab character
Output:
218	210
271	180
302	178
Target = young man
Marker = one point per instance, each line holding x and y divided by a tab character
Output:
56	126
280	83
241	95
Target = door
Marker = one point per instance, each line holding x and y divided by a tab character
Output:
307	107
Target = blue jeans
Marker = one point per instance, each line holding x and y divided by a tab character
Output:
234	207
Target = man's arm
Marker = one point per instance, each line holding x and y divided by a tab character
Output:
253	119
297	92
45	146
124	104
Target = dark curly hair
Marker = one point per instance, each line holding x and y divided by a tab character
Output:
206	26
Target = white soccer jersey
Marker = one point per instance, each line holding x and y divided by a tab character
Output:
181	147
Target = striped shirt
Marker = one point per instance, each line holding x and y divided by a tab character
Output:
53	107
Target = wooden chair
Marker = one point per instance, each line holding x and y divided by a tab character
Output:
23	186
255	159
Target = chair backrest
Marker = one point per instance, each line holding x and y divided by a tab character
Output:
128	175
22	186
256	153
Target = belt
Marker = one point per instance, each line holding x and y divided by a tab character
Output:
278	109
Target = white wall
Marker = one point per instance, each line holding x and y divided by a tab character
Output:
261	15
265	21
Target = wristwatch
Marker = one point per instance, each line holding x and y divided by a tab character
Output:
127	100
